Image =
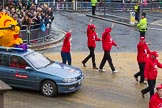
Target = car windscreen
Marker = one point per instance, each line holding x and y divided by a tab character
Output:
37	59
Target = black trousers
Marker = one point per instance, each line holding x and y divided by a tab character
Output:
91	54
93	10
107	57
141	72
137	16
142	34
150	88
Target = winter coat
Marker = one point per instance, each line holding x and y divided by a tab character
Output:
155	101
92	37
66	43
142	25
107	41
151	66
143	51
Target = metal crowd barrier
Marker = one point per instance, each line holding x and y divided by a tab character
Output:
33	33
76	5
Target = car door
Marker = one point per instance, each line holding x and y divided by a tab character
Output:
19	75
4	63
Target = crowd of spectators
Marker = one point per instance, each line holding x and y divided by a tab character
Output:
29	13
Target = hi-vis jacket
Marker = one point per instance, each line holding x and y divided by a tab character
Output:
93	2
142	25
136	8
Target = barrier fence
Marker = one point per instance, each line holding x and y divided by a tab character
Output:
33	34
102	6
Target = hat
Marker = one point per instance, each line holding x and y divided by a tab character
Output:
154	53
144	14
107	30
142	38
159	86
92	26
68	35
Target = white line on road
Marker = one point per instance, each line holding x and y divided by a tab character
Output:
154	28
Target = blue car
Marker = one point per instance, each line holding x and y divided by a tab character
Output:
32	70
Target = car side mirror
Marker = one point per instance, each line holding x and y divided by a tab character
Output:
28	68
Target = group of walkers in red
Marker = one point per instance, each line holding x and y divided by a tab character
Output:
147	60
107	44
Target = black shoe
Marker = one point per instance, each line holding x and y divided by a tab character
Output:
143	95
95	67
84	64
143	83
136	78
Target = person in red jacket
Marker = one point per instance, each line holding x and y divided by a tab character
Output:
150	73
142	54
107	44
65	52
92	38
156	99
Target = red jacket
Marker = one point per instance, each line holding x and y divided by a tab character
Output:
107	41
155	101
92	37
66	43
143	51
151	66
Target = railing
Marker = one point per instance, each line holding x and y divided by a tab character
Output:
33	34
75	5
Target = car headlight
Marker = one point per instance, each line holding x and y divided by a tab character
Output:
69	80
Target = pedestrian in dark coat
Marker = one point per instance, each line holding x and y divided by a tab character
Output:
91	42
150	73
65	52
142	53
107	44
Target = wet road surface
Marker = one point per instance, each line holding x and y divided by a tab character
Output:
99	90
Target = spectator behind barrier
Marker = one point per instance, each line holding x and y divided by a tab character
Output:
36	14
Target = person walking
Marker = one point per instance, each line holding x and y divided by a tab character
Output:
150	73
142	25
107	44
92	38
137	11
156	99
65	52
142	53
93	4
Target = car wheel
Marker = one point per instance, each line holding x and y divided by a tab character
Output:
48	88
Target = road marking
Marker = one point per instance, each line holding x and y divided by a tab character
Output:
154	28
157	23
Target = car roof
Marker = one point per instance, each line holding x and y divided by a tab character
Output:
15	51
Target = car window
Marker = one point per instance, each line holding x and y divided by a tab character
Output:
37	59
4	60
18	62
